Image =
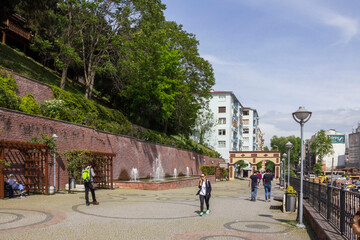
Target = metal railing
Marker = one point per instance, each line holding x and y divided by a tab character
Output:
336	205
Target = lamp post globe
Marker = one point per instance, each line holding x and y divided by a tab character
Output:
301	116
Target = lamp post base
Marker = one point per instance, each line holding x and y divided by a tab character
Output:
300	225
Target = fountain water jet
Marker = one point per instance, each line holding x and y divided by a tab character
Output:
134	175
158	171
187	172
175	173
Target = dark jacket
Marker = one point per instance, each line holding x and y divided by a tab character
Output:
208	188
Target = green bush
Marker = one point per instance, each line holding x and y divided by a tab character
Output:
29	105
8	87
224	172
208	169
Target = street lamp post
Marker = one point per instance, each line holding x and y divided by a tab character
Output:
283	172
301	116
289	146
284	157
55	137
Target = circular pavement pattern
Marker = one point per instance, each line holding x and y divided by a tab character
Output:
223	237
256	227
134	210
17	219
220	234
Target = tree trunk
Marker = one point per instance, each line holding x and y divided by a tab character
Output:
64	75
89	84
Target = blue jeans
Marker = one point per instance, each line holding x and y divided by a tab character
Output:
254	192
19	187
267	191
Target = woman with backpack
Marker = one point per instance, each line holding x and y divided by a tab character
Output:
88	175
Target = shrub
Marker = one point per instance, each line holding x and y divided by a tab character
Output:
208	169
29	105
52	108
8	87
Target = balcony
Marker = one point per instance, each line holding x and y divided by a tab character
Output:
235	118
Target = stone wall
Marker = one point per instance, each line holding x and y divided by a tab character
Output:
40	91
130	153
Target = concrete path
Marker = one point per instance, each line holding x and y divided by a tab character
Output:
144	214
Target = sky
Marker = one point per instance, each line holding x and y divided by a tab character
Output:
277	55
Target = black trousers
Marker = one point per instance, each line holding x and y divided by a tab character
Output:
206	198
88	185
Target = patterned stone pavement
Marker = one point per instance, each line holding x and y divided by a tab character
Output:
144	214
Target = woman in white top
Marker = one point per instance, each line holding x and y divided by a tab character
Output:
204	194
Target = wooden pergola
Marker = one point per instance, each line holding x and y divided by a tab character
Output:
103	166
28	163
103	172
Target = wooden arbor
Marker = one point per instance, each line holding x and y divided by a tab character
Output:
102	163
253	157
29	164
104	171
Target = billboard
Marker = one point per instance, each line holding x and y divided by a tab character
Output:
337	138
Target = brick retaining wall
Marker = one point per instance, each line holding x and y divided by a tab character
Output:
130	153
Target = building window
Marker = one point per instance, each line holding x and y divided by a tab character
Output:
246	139
222	120
246	121
246	113
222	109
222	132
245	148
221	144
222	98
245	130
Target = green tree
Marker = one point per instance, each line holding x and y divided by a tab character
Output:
240	165
321	146
278	143
317	168
99	25
204	123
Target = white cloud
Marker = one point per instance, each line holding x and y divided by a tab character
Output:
347	26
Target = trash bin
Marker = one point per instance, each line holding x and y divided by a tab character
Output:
290	202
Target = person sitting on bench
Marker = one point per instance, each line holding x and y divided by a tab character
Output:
15	185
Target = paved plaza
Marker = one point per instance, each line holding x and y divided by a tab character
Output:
144	214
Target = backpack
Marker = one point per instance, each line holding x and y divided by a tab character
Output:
86	175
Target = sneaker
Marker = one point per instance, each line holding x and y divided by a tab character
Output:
87	204
207	211
201	213
95	202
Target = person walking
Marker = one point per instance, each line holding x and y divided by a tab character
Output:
268	177
88	175
254	183
204	194
260	177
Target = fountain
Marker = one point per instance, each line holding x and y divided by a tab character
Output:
157	180
158	171
175	173
187	172
134	175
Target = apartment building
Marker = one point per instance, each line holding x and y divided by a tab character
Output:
250	131
227	134
354	148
